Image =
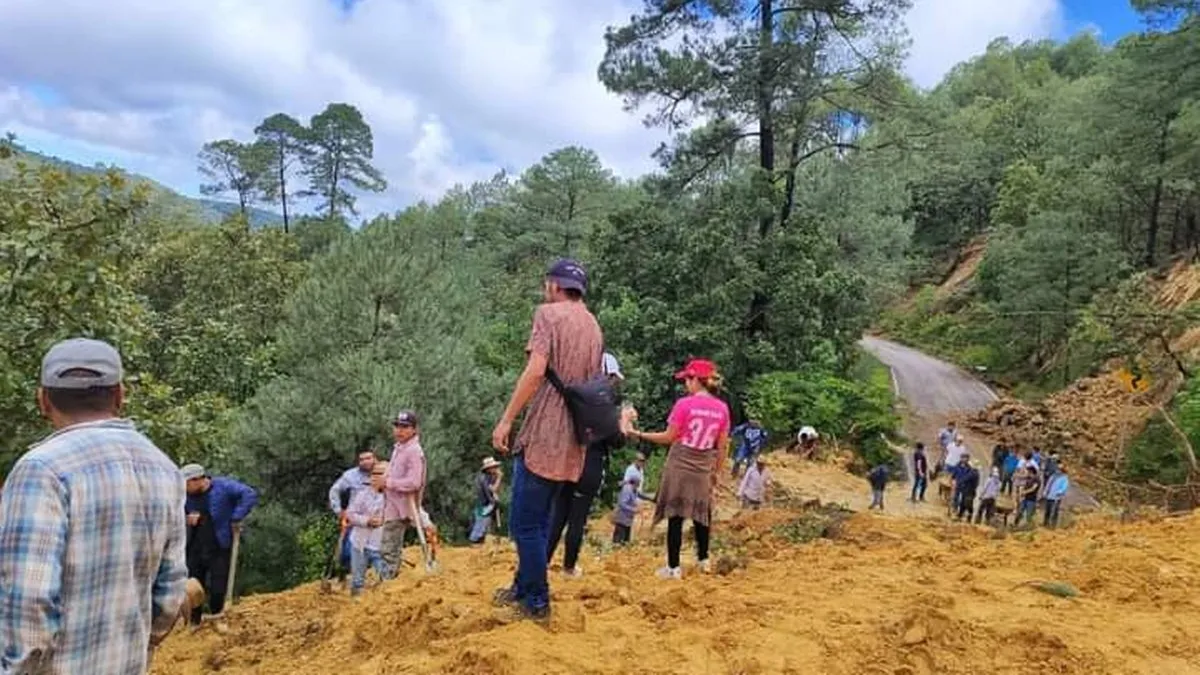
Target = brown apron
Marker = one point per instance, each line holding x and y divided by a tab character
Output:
686	490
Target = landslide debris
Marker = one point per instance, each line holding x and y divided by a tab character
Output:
896	593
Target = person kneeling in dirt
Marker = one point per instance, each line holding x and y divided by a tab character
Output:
987	500
806	442
755	484
698	434
626	511
878	478
967	485
365	514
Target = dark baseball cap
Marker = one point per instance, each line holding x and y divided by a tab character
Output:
405	418
569	275
81	363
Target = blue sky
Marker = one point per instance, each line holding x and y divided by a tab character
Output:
1114	18
454	91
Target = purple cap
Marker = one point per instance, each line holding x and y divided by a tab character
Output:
569	275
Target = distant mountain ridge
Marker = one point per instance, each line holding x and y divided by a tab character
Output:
204	210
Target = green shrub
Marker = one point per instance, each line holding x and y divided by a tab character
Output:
857	411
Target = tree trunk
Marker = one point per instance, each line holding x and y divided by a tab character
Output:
567	225
756	318
1156	200
1175	232
1191	229
333	187
766	117
283	185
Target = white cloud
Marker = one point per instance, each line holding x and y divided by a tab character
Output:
945	32
453	90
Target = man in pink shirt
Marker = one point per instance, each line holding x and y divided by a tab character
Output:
405	488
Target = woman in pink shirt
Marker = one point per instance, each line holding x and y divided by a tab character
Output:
698	433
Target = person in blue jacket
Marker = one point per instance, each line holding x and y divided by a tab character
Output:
215	508
752	438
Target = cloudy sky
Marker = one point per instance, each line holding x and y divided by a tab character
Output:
454	89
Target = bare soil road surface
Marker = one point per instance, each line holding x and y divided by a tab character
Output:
935	392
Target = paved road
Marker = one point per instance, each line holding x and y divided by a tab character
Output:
929	386
936	391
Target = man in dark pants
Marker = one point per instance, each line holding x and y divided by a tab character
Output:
215	508
547	454
574	503
967	485
920	474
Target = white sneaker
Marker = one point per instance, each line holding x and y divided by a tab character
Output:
702	566
575	572
670	573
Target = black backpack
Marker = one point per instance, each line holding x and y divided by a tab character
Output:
593	405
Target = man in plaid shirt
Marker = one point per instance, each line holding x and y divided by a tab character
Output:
91	530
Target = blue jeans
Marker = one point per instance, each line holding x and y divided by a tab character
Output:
344	556
529	527
1026	512
360	560
919	485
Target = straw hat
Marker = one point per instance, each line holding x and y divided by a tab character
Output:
489	463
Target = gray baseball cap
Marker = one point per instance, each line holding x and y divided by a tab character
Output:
191	471
81	363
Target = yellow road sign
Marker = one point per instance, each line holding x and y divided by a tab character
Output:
1134	383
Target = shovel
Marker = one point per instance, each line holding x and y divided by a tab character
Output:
327	577
430	565
233	565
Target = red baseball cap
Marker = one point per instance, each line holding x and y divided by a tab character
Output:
700	368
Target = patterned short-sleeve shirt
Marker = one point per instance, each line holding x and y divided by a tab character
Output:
570	338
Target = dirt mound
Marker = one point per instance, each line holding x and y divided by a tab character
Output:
1181	286
887	594
1089	422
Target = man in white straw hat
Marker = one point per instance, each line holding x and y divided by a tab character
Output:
487	499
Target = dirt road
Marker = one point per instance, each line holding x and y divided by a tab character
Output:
935	391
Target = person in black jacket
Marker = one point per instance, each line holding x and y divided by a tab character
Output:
570	510
878	478
968	485
999	454
920	474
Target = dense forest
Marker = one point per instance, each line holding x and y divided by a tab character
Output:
806	188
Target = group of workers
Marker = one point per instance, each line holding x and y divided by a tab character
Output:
100	531
1025	476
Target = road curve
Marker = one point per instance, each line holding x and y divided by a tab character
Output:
930	387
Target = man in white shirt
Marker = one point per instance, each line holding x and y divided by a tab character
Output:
756	482
955	451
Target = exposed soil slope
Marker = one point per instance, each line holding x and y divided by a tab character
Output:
890	594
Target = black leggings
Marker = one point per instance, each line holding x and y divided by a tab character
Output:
675	540
570	509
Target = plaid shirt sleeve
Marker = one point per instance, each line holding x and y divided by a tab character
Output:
33	533
170	585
